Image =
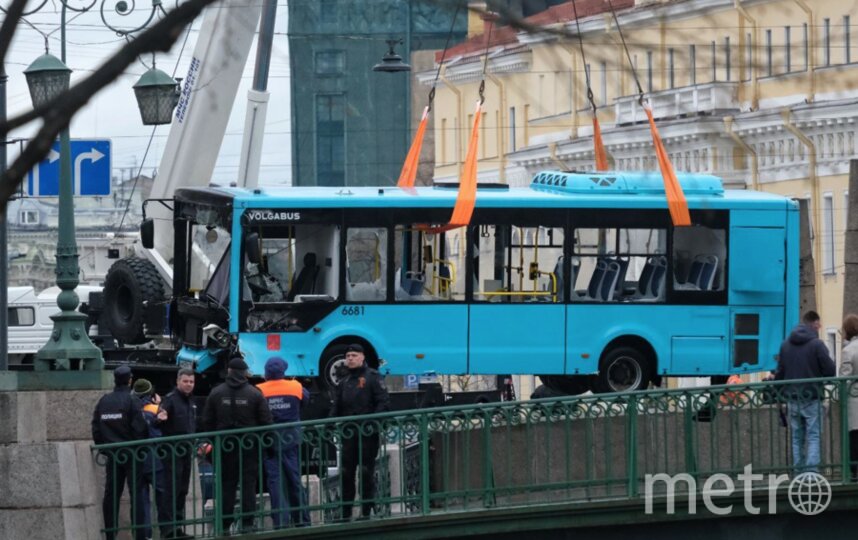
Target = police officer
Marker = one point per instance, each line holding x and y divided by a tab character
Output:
361	392
179	418
231	405
285	398
118	417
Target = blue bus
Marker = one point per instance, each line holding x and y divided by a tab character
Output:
579	278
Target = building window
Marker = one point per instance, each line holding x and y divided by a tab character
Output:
727	57
330	63
768	53
787	51
847	56
826	41
29	217
692	64
512	129
328	11
749	52
806	46
604	82
330	140
671	66
649	71
827	233
831	342
714	62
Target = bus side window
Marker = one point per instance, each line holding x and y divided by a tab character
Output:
429	266
620	265
699	254
518	263
366	264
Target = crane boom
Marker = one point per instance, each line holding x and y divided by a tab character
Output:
208	94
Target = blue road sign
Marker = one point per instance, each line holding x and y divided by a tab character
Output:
91	162
411	382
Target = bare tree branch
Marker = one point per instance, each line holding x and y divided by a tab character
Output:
10	24
58	113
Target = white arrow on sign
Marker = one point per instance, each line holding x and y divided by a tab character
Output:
53	155
93	155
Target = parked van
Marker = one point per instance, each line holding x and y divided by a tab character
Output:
29	319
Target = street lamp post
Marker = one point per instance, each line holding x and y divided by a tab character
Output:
47	78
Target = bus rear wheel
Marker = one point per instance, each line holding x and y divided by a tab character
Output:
623	369
570	385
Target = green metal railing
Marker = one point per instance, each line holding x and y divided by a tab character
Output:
456	459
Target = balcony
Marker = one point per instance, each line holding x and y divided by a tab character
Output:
699	99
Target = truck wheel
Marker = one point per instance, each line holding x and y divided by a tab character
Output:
623	369
129	284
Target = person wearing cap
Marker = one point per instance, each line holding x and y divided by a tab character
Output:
180	418
118	417
360	392
152	467
231	405
285	398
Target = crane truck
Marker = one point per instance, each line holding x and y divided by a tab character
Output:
169	304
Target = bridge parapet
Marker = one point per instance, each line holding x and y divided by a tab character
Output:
510	455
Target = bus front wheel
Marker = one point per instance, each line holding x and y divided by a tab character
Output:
623	369
332	366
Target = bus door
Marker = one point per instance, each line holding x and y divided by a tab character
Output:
517	318
757	295
421	324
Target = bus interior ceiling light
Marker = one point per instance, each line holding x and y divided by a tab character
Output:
391	62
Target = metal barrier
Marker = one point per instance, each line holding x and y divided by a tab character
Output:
430	461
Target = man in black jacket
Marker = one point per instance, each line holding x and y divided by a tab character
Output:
181	419
804	356
232	405
118	417
361	392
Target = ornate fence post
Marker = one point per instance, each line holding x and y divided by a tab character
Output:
424	460
631	445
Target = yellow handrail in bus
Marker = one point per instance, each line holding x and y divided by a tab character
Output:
445	284
552	293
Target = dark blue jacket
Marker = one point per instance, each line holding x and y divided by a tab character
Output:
803	356
150	414
118	417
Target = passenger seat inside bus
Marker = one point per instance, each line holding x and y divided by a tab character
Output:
651	281
701	275
305	281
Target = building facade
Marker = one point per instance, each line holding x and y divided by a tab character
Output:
350	124
763	93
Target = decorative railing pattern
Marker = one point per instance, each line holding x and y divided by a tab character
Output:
575	449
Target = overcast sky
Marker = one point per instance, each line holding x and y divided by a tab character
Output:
113	113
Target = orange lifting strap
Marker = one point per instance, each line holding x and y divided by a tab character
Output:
467	197
676	202
599	147
409	168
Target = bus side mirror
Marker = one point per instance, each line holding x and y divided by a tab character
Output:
251	247
427	255
147	233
